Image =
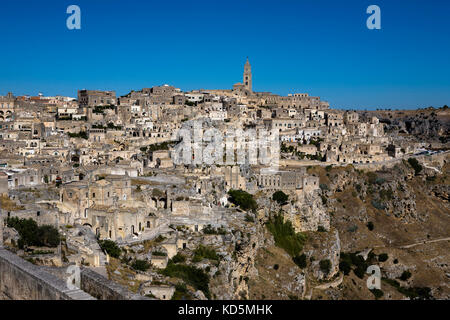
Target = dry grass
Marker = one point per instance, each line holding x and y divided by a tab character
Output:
271	283
9	205
126	277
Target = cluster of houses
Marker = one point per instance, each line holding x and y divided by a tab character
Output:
105	161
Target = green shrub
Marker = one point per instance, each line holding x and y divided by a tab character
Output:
345	267
159	253
392	282
349	259
415	293
378	205
377	293
386	194
325	266
371	177
249	218
178	258
243	199
158	146
280	197
405	275
210	230
415	165
300	260
81	134
383	257
33	235
203	252
140	265
321	229
285	235
360	272
110	247
191	275
181	292
48	236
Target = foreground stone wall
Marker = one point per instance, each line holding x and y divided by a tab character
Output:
21	280
104	289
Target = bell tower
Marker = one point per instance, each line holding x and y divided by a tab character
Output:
247	81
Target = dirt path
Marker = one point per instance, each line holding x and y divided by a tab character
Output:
332	284
424	242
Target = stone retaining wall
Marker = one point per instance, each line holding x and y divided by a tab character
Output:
104	289
22	280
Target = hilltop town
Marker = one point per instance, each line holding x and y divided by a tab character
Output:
101	178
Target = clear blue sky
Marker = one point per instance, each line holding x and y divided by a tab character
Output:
320	47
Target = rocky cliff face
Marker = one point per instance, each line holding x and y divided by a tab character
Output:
238	264
397	213
426	124
323	246
308	213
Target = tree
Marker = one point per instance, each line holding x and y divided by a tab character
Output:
243	199
193	276
33	235
300	260
383	257
377	293
405	275
280	197
203	252
285	236
140	265
110	247
325	265
48	236
415	165
178	258
345	267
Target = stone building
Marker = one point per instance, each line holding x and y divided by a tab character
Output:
287	180
92	98
7	107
